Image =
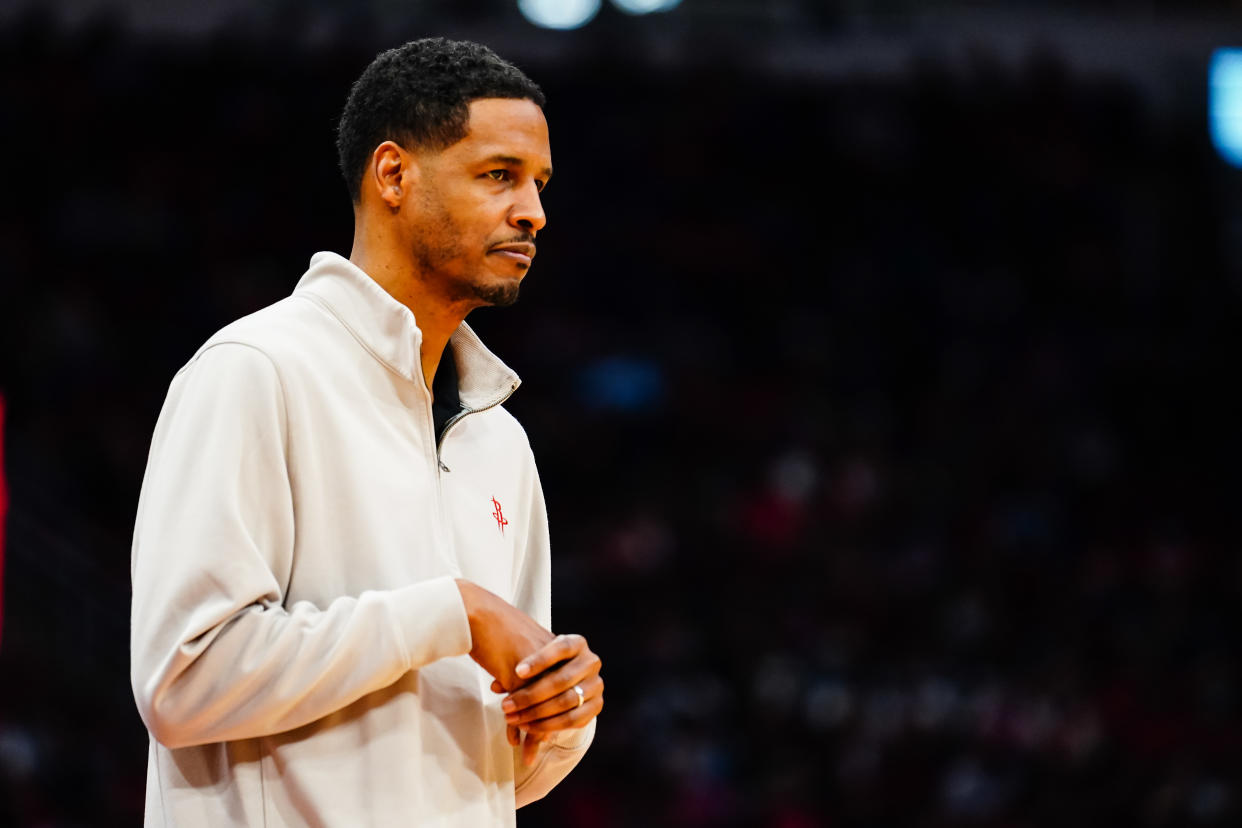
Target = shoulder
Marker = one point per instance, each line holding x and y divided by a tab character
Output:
256	350
504	439
286	327
281	334
507	426
226	370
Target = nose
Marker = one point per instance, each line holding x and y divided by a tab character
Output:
527	212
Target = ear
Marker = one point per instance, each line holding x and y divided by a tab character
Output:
391	174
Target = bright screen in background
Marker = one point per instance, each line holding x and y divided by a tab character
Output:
1225	104
644	6
573	14
559	14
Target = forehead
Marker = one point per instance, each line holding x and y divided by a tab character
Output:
506	126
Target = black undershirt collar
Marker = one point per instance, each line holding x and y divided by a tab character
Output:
446	403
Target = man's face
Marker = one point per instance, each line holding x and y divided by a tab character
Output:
477	210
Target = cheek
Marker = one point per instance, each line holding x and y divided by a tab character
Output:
483	216
448	230
469	223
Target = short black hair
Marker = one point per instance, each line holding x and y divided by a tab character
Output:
419	95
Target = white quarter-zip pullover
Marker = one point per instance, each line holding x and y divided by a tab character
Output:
299	646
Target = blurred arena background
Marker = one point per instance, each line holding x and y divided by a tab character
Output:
880	364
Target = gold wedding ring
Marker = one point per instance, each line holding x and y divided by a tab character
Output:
578	690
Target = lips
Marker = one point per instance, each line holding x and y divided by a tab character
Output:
518	251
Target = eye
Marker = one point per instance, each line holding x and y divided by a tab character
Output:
498	175
540	184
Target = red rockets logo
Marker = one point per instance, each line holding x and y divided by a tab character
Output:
501	523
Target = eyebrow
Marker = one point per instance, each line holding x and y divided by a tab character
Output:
514	161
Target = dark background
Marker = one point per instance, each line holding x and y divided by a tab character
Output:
879	362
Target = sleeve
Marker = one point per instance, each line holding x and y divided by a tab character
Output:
216	653
533	594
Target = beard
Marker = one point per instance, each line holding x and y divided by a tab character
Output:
475	289
496	294
439	252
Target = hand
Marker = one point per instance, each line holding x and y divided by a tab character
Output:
501	634
548	702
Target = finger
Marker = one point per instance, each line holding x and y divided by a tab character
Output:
530	749
561	648
513	735
553	682
578	717
567	700
497	687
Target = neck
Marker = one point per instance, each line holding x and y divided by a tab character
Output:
436	316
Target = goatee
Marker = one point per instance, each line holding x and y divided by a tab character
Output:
500	295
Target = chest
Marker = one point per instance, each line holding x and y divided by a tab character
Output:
379	505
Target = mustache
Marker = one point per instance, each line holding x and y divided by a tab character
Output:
522	238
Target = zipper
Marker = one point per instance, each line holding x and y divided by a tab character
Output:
445	536
452	421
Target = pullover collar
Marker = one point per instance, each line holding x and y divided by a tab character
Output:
387	329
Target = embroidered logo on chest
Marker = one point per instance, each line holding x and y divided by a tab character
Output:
501	523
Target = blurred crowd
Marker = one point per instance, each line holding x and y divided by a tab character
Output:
884	422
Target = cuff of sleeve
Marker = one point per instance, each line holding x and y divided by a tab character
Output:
432	619
576	738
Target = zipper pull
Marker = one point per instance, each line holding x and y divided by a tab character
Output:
442	466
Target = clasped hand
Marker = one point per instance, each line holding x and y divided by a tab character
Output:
550	699
542	698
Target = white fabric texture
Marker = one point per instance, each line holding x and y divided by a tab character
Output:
299	647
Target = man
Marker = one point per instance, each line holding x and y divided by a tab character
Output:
341	553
